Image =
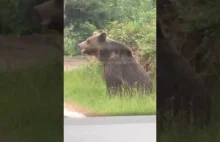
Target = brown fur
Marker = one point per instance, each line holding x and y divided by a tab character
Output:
119	64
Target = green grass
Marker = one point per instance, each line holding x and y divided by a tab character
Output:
31	104
85	87
210	134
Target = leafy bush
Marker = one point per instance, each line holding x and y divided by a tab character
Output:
141	35
134	26
74	34
134	34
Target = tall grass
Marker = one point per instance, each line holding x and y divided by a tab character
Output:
86	87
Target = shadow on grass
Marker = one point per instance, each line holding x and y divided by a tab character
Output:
31	104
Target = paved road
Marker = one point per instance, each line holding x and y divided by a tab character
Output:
110	129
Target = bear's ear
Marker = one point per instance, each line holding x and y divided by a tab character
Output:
129	53
95	33
102	36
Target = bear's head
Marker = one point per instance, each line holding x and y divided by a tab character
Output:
93	44
102	47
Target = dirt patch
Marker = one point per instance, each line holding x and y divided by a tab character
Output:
74	62
71	63
78	108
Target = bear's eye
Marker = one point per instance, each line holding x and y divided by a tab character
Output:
88	41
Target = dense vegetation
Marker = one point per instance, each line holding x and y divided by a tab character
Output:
135	26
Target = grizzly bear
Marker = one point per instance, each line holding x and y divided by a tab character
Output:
121	71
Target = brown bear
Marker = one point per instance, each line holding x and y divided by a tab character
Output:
121	70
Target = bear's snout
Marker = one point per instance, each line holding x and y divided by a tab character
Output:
80	48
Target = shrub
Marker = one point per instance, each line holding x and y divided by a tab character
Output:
74	34
138	34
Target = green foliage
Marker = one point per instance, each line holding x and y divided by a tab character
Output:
136	34
73	34
69	41
135	26
140	34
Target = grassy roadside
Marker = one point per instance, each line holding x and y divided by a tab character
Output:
86	87
32	104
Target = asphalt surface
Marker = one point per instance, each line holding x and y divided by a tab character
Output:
110	129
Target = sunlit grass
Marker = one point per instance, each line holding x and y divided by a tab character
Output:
86	87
